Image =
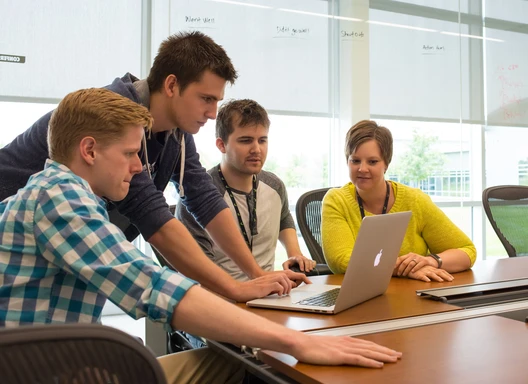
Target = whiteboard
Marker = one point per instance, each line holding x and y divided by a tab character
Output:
419	73
280	49
66	45
507	78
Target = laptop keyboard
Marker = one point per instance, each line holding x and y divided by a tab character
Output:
325	299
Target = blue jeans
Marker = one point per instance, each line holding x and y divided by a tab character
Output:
196	341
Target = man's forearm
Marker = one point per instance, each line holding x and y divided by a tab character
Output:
288	238
180	249
194	313
224	231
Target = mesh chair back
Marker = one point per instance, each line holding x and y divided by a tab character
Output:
507	209
308	212
75	353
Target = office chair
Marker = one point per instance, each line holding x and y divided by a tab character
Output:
308	212
507	209
75	353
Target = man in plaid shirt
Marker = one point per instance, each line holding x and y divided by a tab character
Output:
61	258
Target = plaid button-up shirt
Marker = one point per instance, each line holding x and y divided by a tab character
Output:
61	258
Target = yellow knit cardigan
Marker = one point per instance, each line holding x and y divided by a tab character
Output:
429	230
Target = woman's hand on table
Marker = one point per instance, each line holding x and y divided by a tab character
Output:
418	267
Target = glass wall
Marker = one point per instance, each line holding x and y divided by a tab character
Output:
506	100
59	46
447	77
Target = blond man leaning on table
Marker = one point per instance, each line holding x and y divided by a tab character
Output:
61	258
433	248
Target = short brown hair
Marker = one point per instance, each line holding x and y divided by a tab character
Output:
245	111
367	130
187	55
95	112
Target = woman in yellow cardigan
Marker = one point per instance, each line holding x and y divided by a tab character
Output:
433	247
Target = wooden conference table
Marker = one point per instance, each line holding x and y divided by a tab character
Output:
441	343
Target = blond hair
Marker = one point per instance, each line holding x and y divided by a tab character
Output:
96	112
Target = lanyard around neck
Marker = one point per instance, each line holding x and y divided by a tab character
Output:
385	204
252	211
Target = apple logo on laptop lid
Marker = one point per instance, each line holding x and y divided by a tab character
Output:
377	259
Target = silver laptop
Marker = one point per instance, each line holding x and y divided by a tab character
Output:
368	273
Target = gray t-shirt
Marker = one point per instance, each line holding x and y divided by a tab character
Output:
273	215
